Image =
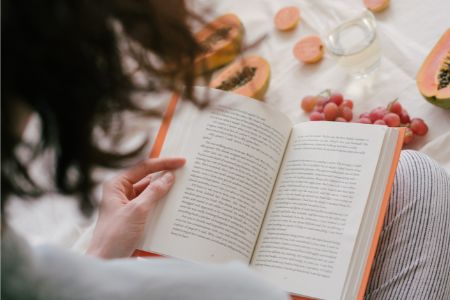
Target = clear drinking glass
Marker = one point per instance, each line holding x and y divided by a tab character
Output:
354	43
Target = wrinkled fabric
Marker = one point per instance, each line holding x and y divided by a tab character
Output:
49	273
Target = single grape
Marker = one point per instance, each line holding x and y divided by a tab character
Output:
340	119
404	117
418	126
377	114
347	113
316	116
341	108
308	103
395	107
379	122
321	100
348	103
409	136
337	98
330	111
365	121
364	115
318	108
392	120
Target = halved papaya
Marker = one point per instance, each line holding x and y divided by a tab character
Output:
248	76
221	41
433	79
309	49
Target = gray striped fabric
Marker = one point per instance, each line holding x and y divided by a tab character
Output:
413	255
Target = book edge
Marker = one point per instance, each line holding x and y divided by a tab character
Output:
164	127
382	214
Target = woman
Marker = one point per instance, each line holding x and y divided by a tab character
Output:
61	59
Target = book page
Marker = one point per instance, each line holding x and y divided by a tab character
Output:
215	209
310	230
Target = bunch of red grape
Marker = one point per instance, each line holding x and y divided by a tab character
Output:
329	106
394	115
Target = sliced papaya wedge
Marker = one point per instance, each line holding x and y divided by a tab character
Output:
433	78
221	41
248	76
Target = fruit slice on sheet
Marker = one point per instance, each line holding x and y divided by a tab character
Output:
309	49
248	76
287	18
433	79
221	41
376	5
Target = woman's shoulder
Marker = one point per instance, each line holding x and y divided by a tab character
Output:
18	268
52	273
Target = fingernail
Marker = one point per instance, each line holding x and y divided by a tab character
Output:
168	177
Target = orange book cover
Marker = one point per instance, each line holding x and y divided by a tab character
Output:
159	142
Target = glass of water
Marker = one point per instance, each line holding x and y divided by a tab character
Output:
354	43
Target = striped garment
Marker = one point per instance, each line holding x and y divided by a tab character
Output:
413	255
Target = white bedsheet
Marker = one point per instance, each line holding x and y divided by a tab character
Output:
408	30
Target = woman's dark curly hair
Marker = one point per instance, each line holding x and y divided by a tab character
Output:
64	60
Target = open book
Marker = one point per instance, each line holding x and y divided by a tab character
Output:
301	204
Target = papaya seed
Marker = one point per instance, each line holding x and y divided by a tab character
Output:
219	34
238	79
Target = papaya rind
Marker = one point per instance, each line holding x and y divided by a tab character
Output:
260	93
443	103
209	62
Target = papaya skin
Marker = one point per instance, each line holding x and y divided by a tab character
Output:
223	50
261	92
256	87
427	77
443	103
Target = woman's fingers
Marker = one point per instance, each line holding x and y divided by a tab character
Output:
146	167
132	182
121	221
141	185
156	190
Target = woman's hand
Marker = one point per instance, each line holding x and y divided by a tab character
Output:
126	204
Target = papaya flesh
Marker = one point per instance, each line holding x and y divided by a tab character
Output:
376	5
221	42
248	76
287	18
433	78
